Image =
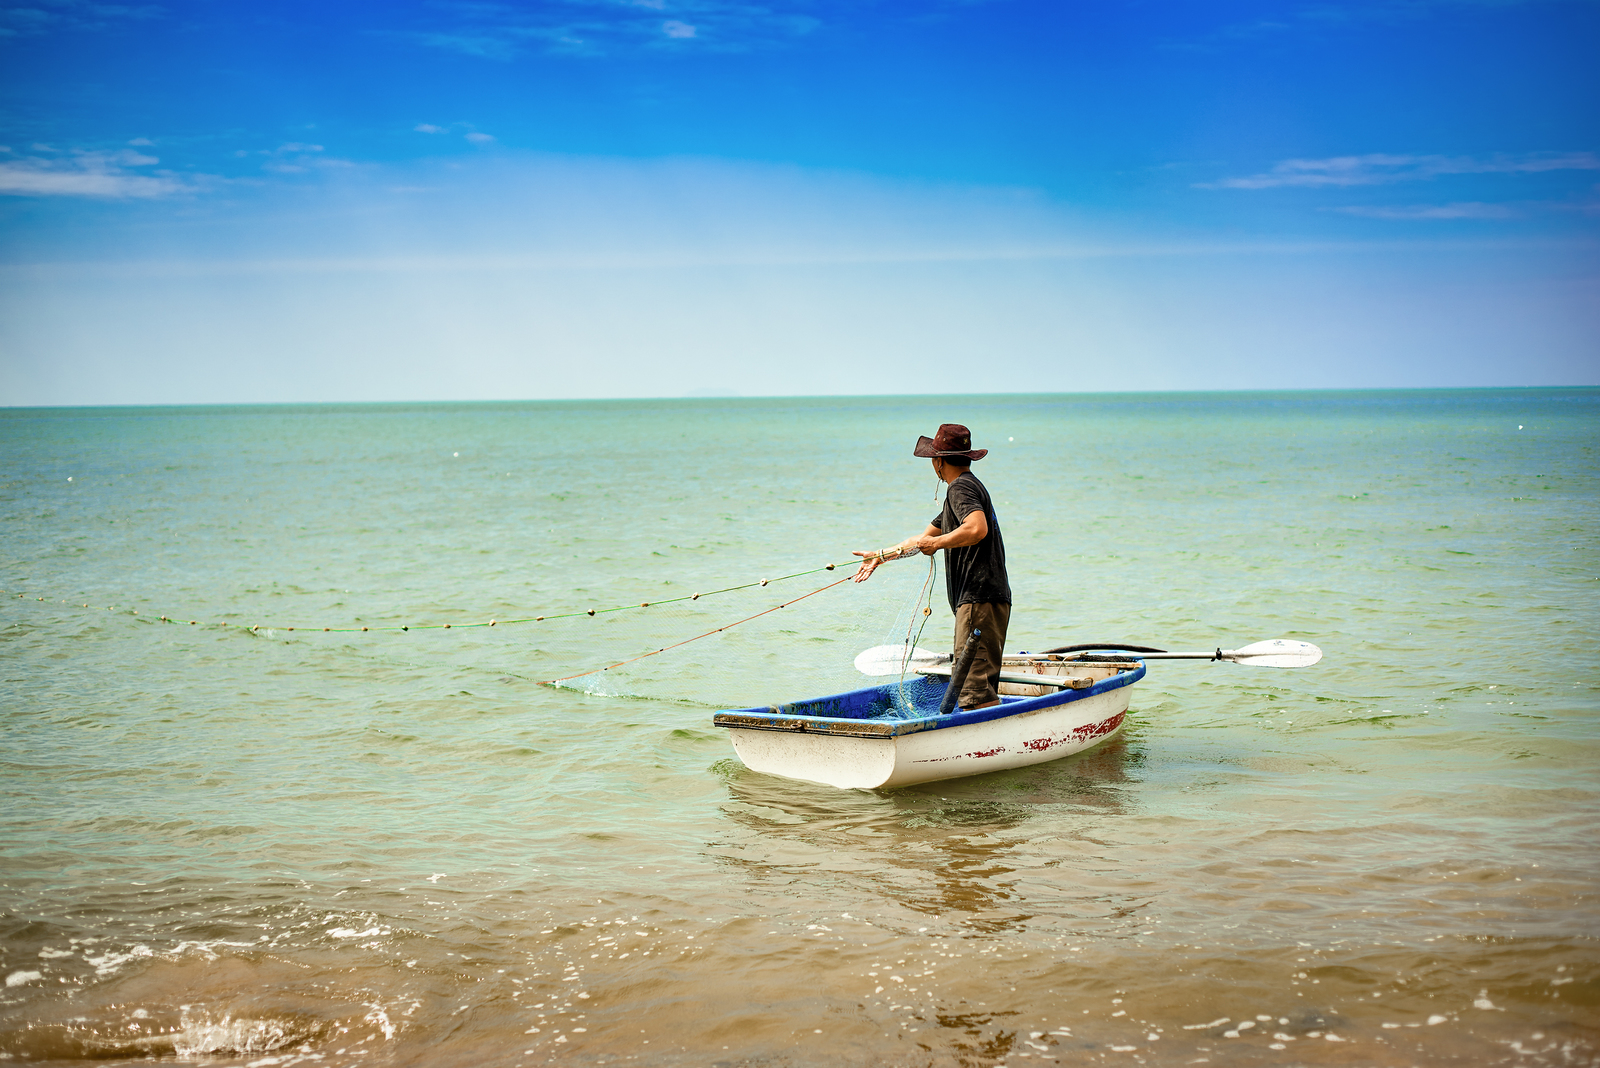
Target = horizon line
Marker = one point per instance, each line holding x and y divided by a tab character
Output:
681	399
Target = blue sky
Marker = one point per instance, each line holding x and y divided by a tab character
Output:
205	202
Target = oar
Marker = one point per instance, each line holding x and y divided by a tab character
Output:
897	659
1275	652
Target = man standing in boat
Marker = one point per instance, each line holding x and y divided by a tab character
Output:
974	558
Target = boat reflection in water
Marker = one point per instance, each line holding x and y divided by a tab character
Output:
981	873
952	850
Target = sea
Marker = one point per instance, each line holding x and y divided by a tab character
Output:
276	792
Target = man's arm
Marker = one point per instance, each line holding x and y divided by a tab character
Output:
871	560
972	530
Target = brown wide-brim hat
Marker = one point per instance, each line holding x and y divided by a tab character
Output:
953	439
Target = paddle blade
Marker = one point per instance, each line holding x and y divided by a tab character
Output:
896	659
1277	652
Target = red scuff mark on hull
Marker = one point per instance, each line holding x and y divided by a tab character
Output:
1078	736
1097	730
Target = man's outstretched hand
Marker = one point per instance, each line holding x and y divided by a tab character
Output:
926	544
869	564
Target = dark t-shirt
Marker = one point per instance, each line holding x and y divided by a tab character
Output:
974	574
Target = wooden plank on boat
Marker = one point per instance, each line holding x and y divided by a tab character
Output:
1024	678
814	725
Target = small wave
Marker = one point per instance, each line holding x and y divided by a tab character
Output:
351	932
380	1019
195	1034
201	1034
109	961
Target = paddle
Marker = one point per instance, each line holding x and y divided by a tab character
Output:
897	659
1275	652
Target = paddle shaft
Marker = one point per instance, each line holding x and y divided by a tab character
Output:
1143	654
1274	653
1149	654
1097	647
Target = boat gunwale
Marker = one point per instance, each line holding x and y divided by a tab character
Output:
770	719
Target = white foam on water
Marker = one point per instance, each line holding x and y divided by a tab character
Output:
206	949
19	978
380	1019
594	685
200	1034
351	932
109	962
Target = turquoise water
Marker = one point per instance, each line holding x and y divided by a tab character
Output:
234	846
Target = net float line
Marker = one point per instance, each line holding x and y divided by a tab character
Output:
697	637
398	627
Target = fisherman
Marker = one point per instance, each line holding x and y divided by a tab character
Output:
974	559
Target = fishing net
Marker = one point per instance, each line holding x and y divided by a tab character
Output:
753	643
719	621
739	649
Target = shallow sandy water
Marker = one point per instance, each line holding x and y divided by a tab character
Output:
270	847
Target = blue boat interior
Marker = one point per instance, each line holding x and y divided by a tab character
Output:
902	707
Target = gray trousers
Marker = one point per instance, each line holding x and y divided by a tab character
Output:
982	680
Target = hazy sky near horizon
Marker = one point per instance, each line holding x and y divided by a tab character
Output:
432	199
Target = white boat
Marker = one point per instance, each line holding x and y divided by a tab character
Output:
892	735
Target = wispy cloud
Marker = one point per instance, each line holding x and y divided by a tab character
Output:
295	157
465	129
1472	209
117	174
33	17
1382	169
1320	16
600	27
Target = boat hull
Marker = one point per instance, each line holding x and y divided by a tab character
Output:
882	763
850	742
